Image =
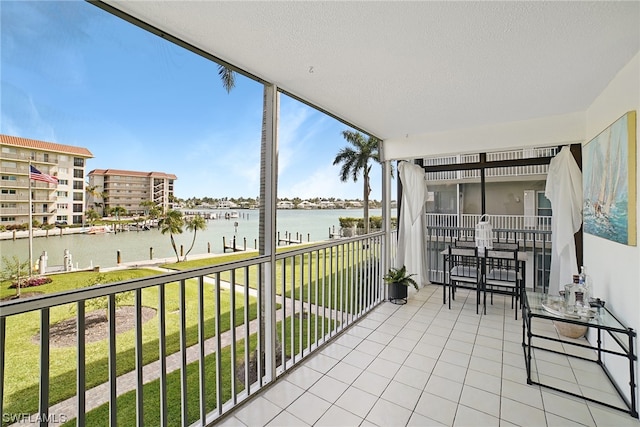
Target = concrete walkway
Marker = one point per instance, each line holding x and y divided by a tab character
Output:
99	395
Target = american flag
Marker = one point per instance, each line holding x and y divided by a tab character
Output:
36	175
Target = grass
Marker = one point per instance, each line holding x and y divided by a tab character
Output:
126	403
22	352
22	355
337	283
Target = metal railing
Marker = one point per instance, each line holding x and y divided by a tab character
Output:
508	222
492	172
536	243
198	357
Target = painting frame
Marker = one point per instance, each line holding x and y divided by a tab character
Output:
609	184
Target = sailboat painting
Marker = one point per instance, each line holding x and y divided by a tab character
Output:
609	182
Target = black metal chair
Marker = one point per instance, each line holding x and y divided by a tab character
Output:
460	243
502	272
463	266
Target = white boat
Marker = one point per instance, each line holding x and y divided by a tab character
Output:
99	229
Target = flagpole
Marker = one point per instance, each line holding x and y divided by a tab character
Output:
30	225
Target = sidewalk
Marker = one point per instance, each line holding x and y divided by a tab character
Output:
99	395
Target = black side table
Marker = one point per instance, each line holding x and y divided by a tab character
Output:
605	324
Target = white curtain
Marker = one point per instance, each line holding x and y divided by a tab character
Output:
411	222
564	190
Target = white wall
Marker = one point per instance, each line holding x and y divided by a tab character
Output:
615	268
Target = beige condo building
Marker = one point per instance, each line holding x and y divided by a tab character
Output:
128	189
61	203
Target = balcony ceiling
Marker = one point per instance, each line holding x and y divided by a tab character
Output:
398	68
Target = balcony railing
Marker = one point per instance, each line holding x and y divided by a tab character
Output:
198	358
509	222
513	171
535	243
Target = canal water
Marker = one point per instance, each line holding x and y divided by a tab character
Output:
101	249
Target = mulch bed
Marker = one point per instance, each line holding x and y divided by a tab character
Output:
63	334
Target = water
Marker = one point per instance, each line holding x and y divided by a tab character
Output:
101	250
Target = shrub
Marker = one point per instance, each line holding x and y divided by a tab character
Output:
29	283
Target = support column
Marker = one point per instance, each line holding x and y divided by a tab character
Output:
267	227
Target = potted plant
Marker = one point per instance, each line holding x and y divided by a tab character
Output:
399	280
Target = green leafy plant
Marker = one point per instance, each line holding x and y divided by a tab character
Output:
399	276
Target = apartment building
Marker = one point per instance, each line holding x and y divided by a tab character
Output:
51	203
129	189
512	190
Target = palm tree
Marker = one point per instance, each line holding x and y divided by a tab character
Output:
119	212
194	224
355	159
92	216
93	191
228	77
172	223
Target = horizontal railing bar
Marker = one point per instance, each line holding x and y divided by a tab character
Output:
342	241
51	300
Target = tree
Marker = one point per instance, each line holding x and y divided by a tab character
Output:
172	223
14	269
151	209
119	212
92	216
194	224
96	194
355	160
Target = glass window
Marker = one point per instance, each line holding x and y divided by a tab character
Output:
77	196
78	173
8	178
78	185
78	161
544	205
77	207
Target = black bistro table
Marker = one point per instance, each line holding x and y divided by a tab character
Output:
620	343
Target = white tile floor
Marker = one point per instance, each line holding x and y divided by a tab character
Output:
422	364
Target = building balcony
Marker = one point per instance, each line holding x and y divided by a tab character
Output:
336	353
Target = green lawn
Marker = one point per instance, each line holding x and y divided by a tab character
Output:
342	288
22	351
126	403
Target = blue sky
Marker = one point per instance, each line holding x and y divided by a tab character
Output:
73	74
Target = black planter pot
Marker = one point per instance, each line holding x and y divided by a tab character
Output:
397	293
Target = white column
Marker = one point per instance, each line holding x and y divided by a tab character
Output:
268	201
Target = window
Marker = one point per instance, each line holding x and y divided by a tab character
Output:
63	206
544	204
77	207
63	170
63	182
78	185
77	219
8	178
62	193
77	196
9	150
8	205
63	158
61	218
8	218
11	165
78	173
45	157
78	161
8	191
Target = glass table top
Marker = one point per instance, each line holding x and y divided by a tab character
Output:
551	307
